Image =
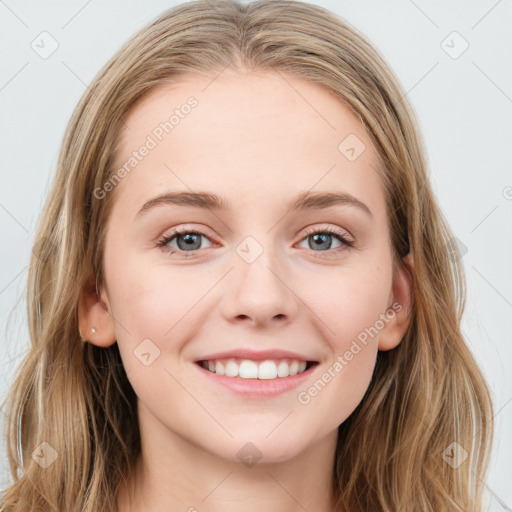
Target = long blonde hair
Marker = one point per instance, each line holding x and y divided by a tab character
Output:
426	394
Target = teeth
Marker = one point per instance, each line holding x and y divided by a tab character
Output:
283	369
267	370
219	368
248	369
231	369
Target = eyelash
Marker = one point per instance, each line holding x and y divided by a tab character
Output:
346	242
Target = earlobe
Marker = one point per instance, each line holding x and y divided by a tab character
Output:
399	312
96	324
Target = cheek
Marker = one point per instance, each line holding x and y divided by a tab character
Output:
156	311
150	299
152	321
351	304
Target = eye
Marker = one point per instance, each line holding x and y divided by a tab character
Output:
321	238
189	241
186	240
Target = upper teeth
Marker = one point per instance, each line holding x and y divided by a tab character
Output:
249	369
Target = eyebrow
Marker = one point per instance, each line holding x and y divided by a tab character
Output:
207	200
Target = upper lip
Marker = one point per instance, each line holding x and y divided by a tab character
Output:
256	355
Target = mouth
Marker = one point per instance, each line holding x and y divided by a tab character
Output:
256	379
249	369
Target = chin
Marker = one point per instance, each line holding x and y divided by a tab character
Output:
251	449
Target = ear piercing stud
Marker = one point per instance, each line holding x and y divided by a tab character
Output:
93	330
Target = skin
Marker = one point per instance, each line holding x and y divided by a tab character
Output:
257	140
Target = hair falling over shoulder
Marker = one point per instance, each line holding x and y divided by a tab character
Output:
72	402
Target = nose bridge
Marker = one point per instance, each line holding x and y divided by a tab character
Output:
258	287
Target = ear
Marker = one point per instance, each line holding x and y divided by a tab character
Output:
94	313
400	307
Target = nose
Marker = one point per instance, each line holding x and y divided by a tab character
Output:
259	293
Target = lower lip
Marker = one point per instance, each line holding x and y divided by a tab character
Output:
258	388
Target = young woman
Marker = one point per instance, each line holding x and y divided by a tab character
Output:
243	293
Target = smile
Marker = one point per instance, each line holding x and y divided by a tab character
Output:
256	379
249	369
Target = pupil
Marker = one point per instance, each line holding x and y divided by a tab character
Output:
320	239
189	239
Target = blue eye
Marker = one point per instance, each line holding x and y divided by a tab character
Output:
322	238
188	241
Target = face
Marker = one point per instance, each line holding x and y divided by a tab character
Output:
279	265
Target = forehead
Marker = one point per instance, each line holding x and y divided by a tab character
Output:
249	136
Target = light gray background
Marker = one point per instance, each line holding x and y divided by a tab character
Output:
463	102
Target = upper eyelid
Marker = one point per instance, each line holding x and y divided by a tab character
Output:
337	231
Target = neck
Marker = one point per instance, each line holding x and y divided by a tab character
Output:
172	470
